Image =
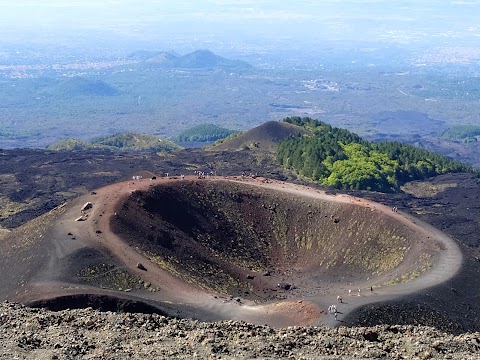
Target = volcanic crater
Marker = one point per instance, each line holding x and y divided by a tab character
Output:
248	239
257	250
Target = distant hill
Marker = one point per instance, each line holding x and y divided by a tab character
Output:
200	59
128	142
265	137
203	133
79	86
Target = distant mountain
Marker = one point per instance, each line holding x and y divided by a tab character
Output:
79	86
125	142
200	59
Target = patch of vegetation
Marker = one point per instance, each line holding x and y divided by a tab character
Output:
119	142
203	133
341	159
9	207
109	277
426	189
229	137
465	133
204	274
70	144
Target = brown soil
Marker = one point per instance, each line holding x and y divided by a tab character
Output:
200	239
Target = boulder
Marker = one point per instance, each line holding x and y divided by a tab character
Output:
284	286
370	335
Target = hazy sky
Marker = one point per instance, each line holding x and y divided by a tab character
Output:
404	21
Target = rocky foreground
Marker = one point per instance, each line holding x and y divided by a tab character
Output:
27	333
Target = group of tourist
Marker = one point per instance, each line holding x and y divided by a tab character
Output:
332	309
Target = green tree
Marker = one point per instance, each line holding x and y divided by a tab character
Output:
339	158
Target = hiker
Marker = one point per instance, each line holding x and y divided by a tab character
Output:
349	292
339	299
336	314
359	291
